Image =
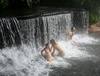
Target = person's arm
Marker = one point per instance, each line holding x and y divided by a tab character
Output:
53	50
42	51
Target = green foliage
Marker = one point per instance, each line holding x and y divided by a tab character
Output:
94	16
18	3
3	3
93	6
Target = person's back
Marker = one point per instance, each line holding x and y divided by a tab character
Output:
57	47
46	53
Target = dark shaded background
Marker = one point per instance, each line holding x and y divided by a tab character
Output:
30	6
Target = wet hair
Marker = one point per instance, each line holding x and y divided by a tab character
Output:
52	41
72	28
47	45
89	26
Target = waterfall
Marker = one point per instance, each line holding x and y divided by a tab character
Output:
31	34
57	26
9	32
81	20
41	29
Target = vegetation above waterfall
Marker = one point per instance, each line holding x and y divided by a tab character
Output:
18	3
3	3
93	6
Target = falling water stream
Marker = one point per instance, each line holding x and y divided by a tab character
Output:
9	32
26	60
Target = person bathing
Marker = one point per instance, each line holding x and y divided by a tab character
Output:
72	32
50	49
57	47
46	52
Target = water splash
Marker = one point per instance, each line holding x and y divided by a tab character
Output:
73	51
23	61
27	61
84	38
9	32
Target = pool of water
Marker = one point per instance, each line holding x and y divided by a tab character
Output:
80	65
82	58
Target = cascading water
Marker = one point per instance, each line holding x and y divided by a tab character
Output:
9	32
57	26
32	34
26	60
81	20
41	29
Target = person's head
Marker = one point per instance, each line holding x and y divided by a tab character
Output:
52	41
47	45
73	29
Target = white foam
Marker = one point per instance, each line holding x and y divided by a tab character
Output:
22	62
84	39
60	62
27	61
71	52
